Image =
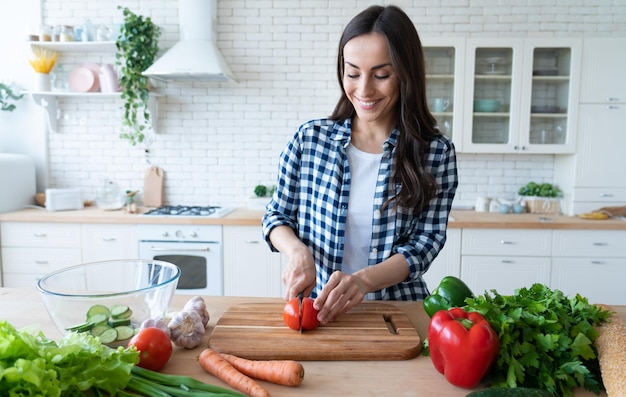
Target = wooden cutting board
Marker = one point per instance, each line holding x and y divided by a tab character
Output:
370	331
153	187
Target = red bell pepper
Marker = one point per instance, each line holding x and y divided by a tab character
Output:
462	345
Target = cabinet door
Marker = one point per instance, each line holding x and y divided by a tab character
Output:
447	263
35	234
492	95
24	266
603	66
443	58
505	274
550	94
108	242
250	268
601	280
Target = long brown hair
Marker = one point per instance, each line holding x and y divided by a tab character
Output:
415	122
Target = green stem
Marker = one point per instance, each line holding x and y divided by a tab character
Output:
178	381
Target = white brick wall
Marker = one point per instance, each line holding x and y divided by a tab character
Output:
217	141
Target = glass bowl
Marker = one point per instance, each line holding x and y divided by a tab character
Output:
116	295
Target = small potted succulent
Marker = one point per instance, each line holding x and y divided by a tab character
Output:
262	195
541	198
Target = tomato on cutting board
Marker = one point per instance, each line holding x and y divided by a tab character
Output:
155	348
297	318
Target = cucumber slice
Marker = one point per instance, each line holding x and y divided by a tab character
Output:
121	311
97	330
124	332
108	336
116	322
98	318
82	327
98	309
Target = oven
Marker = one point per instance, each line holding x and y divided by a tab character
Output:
195	248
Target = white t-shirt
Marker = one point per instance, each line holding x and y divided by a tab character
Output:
358	235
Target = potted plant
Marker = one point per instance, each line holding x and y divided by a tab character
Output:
8	98
261	197
137	46
541	198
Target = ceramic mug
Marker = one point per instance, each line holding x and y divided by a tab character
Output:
440	104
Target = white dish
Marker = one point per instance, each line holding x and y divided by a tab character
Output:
81	80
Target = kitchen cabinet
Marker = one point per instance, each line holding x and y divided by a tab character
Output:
520	95
591	263
505	260
107	242
31	250
250	268
447	263
443	59
593	177
49	100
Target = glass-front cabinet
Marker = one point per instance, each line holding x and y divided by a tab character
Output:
443	60
519	95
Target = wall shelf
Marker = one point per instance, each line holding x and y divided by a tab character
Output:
76	46
48	100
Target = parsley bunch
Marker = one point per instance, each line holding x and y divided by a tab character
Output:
546	339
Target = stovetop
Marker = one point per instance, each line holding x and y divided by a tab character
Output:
202	211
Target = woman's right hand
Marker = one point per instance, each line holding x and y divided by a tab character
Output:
299	275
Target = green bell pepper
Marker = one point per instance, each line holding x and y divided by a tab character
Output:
450	293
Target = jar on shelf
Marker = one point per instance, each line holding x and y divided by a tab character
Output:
66	33
45	33
58	79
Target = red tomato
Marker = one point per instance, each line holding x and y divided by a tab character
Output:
293	318
155	348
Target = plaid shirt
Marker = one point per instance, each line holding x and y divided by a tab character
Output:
312	198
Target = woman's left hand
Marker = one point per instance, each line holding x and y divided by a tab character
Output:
341	293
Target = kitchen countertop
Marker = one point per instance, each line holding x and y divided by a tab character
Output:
416	377
248	217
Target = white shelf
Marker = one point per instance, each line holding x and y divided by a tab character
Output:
76	46
48	100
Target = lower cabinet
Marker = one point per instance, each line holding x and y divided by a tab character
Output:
250	268
107	242
505	259
590	263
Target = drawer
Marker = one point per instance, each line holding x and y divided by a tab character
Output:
601	280
599	194
590	243
34	234
506	242
38	261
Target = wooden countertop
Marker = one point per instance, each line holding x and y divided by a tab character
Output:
416	377
248	217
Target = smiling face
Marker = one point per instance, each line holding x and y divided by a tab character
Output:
370	81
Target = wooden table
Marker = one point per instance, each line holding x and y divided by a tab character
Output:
411	378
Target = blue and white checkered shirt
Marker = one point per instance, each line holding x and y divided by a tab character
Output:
312	198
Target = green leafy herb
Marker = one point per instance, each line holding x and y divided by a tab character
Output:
539	190
546	339
31	364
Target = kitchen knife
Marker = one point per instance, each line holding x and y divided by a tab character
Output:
300	297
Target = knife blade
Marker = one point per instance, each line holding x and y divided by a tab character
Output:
300	297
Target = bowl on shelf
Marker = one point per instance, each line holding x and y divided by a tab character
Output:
109	299
486	105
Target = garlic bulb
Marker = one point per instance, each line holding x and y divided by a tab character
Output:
187	329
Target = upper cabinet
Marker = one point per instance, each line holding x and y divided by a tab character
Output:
443	58
603	71
520	95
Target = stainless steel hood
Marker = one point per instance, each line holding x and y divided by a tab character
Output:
196	56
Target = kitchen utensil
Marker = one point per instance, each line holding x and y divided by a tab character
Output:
440	104
370	331
153	187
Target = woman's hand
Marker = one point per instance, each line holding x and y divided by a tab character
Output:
299	275
341	293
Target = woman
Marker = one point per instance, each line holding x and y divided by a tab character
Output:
363	197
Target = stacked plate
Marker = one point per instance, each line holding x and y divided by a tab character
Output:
85	78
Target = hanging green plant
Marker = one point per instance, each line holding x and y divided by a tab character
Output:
137	47
8	98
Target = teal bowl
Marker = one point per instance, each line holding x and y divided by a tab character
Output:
486	105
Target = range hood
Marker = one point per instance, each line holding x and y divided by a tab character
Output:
196	56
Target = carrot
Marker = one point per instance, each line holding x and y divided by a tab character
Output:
281	372
213	363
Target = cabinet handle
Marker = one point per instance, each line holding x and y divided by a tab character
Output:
41	262
40	235
598	262
508	261
600	244
612	99
611	107
606	195
108	239
506	242
252	241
